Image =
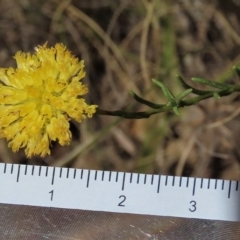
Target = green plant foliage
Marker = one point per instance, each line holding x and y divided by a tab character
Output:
210	83
237	70
144	101
181	100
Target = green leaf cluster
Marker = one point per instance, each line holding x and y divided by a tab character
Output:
189	96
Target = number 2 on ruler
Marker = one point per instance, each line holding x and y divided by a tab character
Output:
121	203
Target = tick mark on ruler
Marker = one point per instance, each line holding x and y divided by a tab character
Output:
74	173
110	174
187	182
81	174
222	184
5	168
229	189
237	186
145	178
46	172
201	183
32	170
68	172
88	177
60	174
159	181
95	177
166	179
131	175
138	178
194	184
173	180
53	175
116	176
209	181
12	169
180	182
26	170
102	175
152	180
18	174
123	181
39	172
216	184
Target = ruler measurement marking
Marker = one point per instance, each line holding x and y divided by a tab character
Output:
12	169
95	177
131	175
33	168
18	173
26	167
102	175
145	178
208	183
88	178
187	182
110	174
74	173
68	172
173	180
166	179
216	184
237	186
222	184
81	176
53	174
159	181
229	189
123	182
152	180
180	182
201	183
39	171
138	176
46	172
60	173
116	177
5	168
194	185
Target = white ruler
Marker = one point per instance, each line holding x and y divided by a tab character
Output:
120	192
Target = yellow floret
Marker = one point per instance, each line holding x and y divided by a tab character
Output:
38	98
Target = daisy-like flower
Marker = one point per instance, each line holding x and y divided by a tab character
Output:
39	97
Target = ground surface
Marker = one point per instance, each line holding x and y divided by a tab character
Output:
124	45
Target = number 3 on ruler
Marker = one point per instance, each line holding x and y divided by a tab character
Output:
193	206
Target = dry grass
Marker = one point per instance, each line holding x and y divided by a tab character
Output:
124	45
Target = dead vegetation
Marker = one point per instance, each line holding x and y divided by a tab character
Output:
124	44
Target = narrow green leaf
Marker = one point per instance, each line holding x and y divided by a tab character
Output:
145	102
237	70
194	90
175	110
211	83
216	95
183	94
167	93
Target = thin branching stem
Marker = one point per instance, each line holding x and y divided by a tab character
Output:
171	106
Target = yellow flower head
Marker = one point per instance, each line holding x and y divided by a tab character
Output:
38	98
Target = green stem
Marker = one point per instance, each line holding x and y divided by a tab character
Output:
166	108
132	115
